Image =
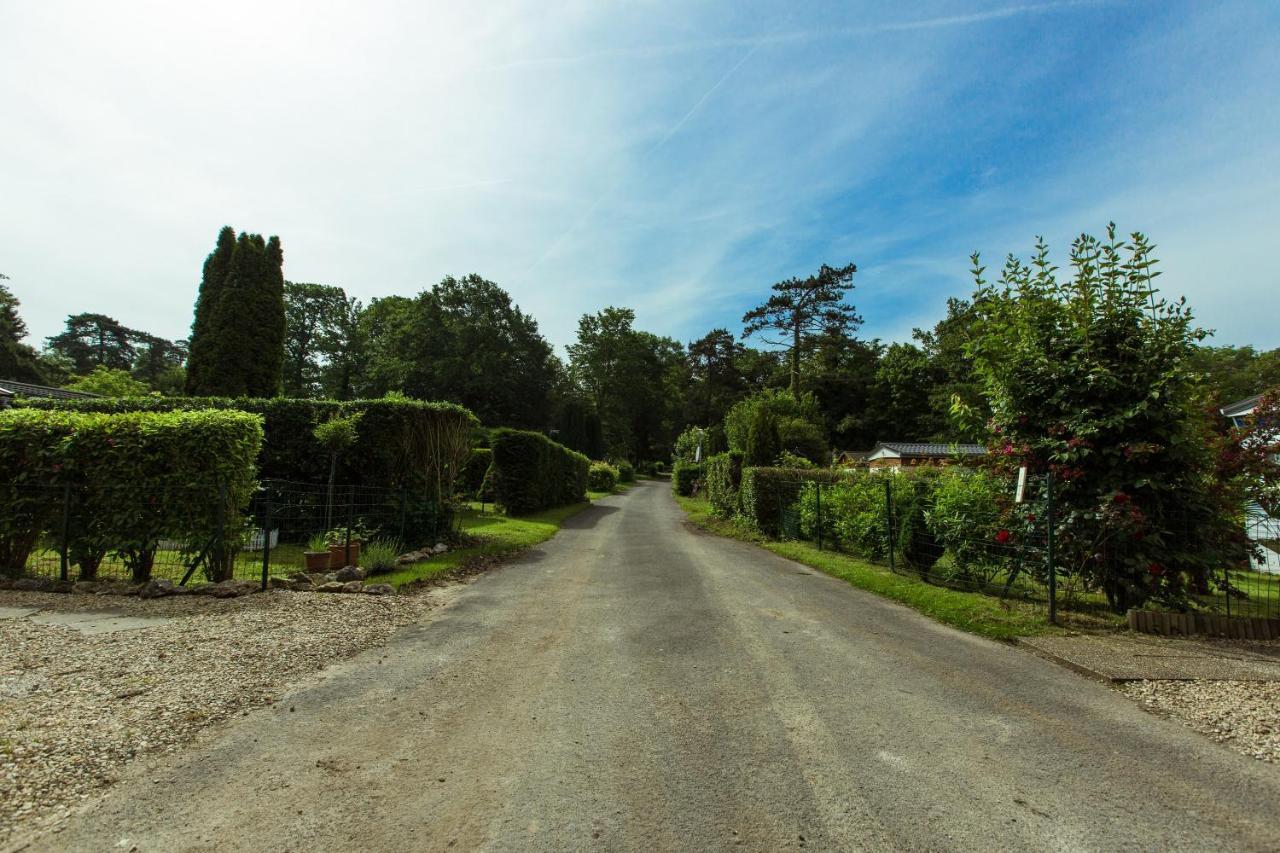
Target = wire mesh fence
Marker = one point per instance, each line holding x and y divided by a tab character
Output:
68	532
1016	546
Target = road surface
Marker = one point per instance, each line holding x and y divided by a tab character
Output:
636	684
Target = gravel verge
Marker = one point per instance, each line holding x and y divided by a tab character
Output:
75	708
1243	715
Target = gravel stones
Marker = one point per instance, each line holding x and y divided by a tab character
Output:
77	707
1243	715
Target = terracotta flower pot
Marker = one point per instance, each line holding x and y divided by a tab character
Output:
339	559
316	561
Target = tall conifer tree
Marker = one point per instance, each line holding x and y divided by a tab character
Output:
237	345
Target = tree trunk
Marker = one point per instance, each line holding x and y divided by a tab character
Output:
795	361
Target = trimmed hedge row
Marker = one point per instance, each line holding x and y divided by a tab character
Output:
134	479
724	481
685	476
401	443
767	492
531	472
626	471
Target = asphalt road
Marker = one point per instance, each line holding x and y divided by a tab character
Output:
635	684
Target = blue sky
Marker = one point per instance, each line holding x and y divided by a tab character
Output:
675	158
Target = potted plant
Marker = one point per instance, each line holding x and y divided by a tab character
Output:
344	551
317	555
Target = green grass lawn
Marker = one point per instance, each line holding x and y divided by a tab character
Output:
970	611
617	490
500	536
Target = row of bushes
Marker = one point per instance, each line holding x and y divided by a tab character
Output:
685	477
531	472
123	472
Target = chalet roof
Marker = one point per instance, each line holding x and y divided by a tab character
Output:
26	389
1241	407
931	449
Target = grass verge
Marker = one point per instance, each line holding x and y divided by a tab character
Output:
981	614
500	536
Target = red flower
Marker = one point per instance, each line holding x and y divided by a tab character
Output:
1120	498
1031	516
1156	569
1002	537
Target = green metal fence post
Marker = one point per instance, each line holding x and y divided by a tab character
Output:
818	492
66	527
1053	573
266	544
888	521
351	508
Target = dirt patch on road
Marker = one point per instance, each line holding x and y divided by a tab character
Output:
76	707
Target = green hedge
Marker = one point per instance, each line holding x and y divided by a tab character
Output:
767	492
626	471
132	480
724	482
472	480
602	477
399	440
685	476
531	472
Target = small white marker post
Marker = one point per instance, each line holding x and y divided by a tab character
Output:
1022	485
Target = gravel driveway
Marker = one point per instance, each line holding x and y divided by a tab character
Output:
76	708
635	684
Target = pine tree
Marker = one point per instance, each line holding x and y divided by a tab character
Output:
212	282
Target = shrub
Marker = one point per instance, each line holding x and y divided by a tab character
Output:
687	443
380	556
685	477
967	511
626	471
784	407
766	492
724	480
133	479
763	443
532	472
787	459
602	477
854	515
1091	378
472	480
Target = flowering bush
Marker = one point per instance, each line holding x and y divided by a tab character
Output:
1090	379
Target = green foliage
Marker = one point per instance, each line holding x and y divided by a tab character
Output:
531	472
685	477
763	443
724	480
800	309
798	420
135	478
602	477
380	555
473	473
238	335
1091	378
338	433
402	444
318	542
855	511
686	445
313	313
626	471
787	459
110	382
766	492
634	379
967	511
18	361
